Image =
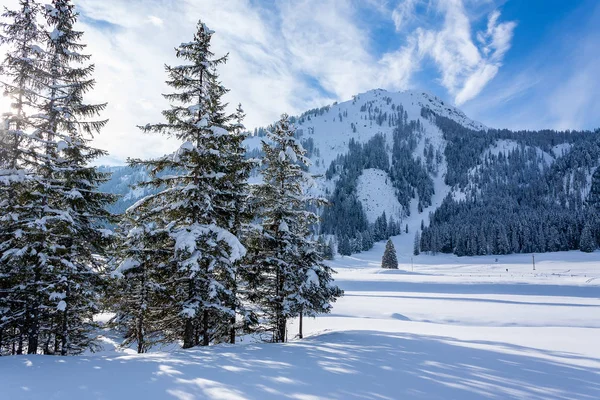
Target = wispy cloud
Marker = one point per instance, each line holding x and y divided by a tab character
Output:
465	65
284	56
555	85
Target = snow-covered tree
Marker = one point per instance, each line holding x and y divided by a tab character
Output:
593	198
202	201
389	259
587	242
317	290
139	293
73	209
20	70
60	239
289	278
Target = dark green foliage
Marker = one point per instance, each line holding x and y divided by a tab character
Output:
59	212
515	202
389	259
587	242
417	244
194	219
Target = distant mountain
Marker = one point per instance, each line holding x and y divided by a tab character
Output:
392	162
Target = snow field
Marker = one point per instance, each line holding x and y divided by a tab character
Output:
455	328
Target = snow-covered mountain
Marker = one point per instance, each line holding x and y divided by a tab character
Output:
408	153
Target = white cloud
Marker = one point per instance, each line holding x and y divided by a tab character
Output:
155	20
276	55
464	66
403	13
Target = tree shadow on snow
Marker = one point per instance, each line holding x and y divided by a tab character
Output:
339	365
471	288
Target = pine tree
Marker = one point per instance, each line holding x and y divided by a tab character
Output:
21	65
202	201
139	293
389	259
594	196
286	256
587	242
72	209
417	244
316	291
329	250
344	246
60	238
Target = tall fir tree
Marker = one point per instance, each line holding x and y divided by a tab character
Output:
290	278
202	199
61	237
73	210
21	70
593	198
317	291
389	259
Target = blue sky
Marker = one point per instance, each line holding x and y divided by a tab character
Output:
519	64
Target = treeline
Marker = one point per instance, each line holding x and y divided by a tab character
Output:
519	200
202	258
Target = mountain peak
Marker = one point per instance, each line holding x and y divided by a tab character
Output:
426	100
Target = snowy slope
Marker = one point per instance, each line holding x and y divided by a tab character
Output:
331	128
377	195
332	133
455	328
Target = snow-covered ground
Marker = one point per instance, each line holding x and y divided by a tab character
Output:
454	328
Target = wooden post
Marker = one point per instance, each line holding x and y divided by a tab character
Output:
533	259
300	336
412	265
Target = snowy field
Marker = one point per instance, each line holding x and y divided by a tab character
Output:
455	328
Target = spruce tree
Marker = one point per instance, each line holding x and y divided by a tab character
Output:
21	69
587	242
139	293
60	236
417	244
287	259
593	198
389	259
316	291
202	199
72	209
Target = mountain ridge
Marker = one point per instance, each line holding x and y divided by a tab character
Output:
410	152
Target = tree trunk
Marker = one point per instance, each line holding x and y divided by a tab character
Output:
20	348
281	328
47	343
34	325
232	330
188	330
205	333
141	321
140	333
233	309
188	333
65	342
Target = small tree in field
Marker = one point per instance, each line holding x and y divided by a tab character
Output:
389	260
417	244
